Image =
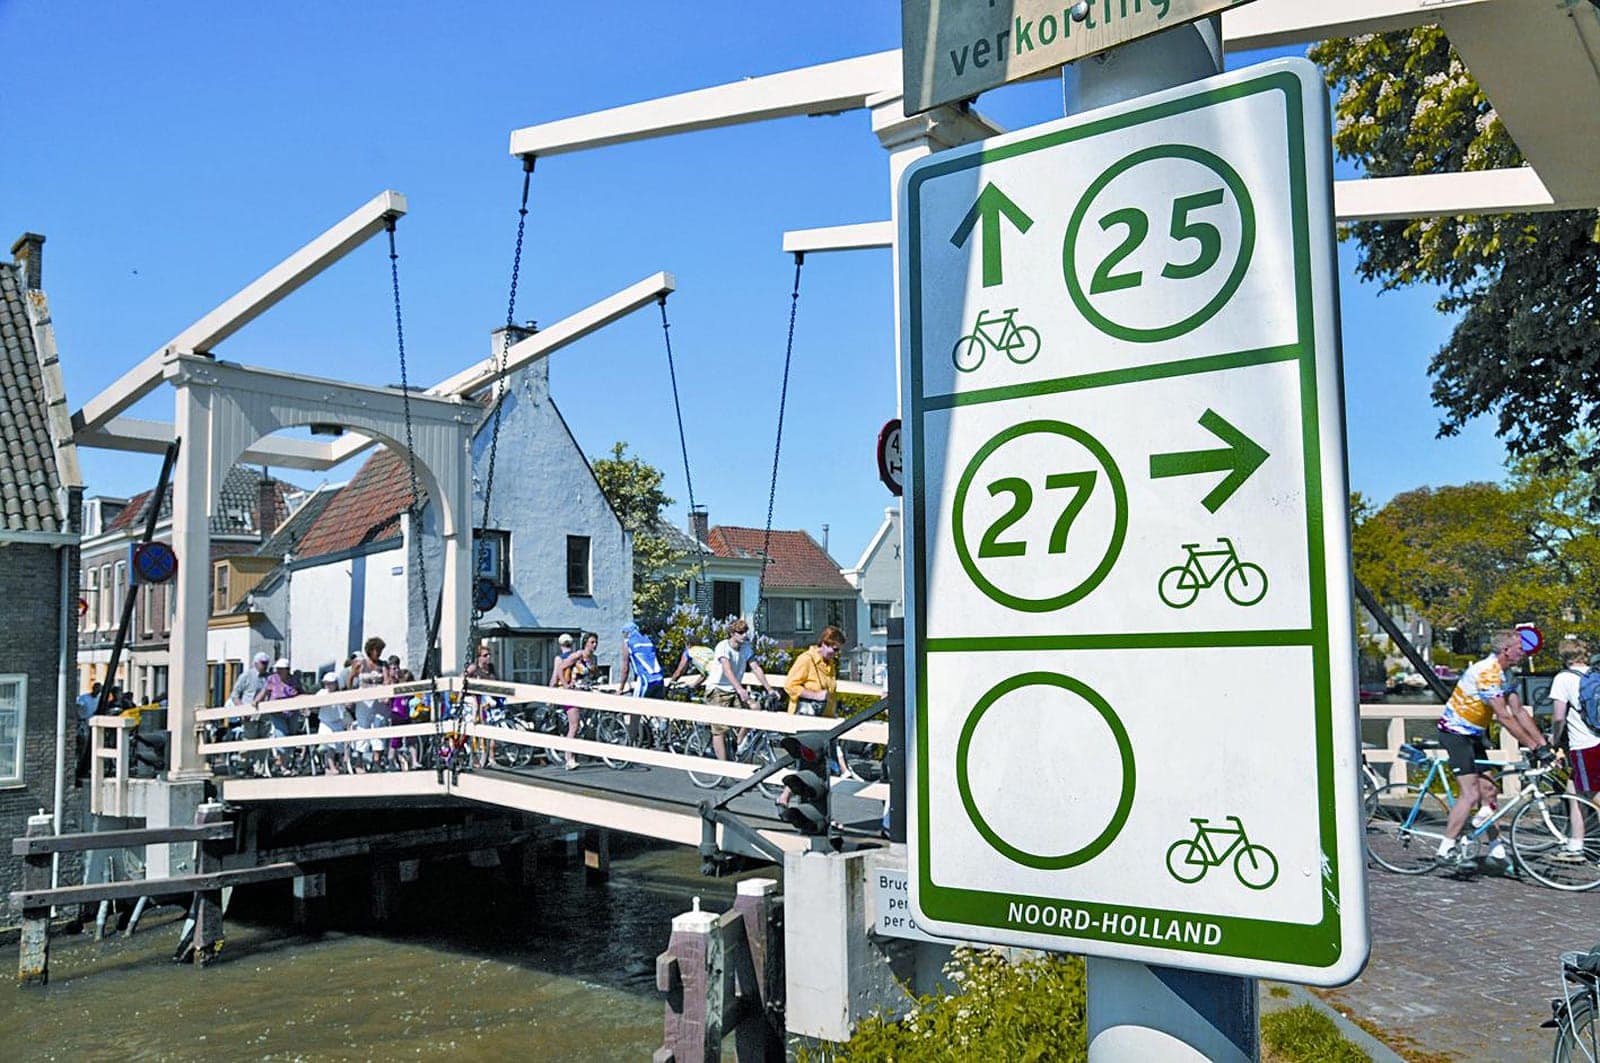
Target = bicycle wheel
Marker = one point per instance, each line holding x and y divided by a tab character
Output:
1543	842
1578	1036
1404	828
1024	345
610	730
510	754
1245	583
1255	866
1178	587
698	744
1190	864
968	353
763	752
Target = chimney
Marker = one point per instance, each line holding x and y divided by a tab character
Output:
536	374
28	254
266	505
824	538
700	523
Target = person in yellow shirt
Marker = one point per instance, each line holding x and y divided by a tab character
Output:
813	681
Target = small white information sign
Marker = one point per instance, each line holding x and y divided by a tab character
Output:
1128	591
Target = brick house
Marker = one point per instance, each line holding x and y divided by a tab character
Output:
40	512
804	590
251	507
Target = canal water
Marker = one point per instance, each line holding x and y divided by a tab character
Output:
470	968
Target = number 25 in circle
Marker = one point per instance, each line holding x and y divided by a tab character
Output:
1159	243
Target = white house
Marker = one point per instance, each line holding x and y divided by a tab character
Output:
877	578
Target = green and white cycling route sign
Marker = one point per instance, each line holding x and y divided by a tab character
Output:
1134	729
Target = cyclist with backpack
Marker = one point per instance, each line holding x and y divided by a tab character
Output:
1483	694
1575	725
639	661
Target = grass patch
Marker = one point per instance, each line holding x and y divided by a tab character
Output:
1303	1035
1031	1012
1278	991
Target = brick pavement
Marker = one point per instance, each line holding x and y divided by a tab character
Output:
1466	968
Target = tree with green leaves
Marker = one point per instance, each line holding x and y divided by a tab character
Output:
633	487
1526	287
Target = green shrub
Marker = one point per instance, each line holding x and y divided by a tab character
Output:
1031	1011
1303	1035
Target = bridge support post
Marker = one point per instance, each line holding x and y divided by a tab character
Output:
383	897
759	982
33	948
596	856
311	902
208	937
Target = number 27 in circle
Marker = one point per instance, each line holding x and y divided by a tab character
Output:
1081	484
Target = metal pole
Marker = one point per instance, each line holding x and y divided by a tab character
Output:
895	762
1440	688
1138	1012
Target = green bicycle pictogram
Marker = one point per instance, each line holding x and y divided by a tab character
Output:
998	331
1244	582
1189	859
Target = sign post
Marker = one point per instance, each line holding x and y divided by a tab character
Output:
1132	730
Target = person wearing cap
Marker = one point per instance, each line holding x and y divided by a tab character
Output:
331	720
245	689
279	685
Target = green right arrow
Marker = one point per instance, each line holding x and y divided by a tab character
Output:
991	204
1240	458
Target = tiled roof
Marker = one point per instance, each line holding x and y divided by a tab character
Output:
366	510
28	476
287	537
797	562
236	509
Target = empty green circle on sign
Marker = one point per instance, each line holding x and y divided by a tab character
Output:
1119	529
1043	861
1241	264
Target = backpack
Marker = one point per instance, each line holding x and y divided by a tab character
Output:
1589	697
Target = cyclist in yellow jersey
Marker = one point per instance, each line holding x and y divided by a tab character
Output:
1483	694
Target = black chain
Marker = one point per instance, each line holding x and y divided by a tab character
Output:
777	446
481	555
683	442
414	509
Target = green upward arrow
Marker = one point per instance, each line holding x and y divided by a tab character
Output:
1241	457
990	205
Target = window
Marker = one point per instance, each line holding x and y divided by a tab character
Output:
91	597
836	612
13	720
725	598
803	616
147	612
492	553
578	565
104	610
219	587
879	615
120	575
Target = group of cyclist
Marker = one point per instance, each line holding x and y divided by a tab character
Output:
1484	694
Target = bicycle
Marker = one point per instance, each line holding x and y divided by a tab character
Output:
1573	1015
1406	822
752	747
594	725
970	350
1244	582
1189	859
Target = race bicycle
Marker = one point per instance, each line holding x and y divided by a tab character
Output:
1555	835
1244	582
999	332
1189	859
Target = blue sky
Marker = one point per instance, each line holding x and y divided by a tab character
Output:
172	152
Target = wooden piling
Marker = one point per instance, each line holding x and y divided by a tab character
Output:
208	936
759	1034
596	856
311	902
383	897
691	1030
33	954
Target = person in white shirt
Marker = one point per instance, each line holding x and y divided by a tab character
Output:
1569	728
732	658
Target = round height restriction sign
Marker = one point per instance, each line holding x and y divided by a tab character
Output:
890	467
